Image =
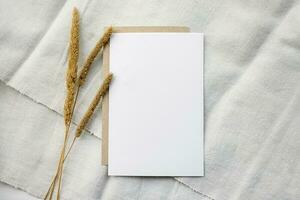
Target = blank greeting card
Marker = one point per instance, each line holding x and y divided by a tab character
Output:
155	116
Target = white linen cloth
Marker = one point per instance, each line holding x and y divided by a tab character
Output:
252	74
8	192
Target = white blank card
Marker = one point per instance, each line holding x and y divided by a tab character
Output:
156	104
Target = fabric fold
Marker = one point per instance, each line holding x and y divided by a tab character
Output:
251	94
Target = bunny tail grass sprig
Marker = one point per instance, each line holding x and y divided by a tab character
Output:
73	85
71	80
71	96
87	116
71	77
91	57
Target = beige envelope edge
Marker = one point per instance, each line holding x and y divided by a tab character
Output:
105	106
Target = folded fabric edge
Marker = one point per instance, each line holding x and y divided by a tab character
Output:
18	187
51	109
194	189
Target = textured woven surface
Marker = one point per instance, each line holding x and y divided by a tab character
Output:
252	76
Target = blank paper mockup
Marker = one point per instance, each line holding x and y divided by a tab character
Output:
156	104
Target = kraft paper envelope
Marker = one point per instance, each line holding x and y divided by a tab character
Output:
105	107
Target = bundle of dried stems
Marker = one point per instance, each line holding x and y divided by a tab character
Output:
73	85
